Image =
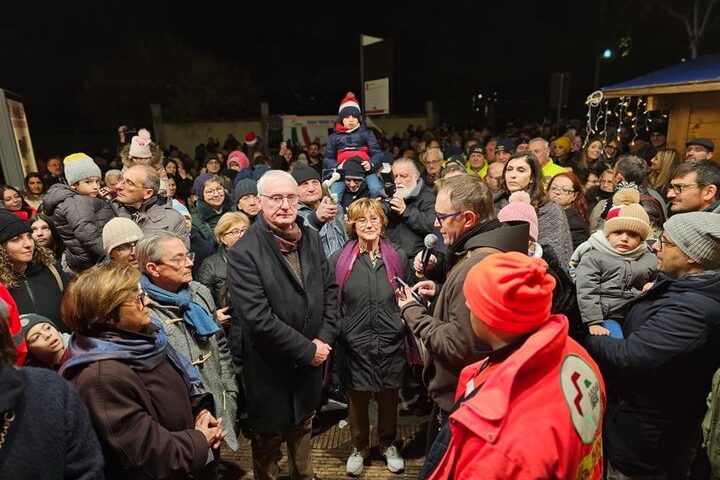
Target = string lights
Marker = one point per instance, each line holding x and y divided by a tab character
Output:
613	113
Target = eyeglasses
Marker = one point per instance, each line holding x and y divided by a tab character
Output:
181	260
562	191
140	298
125	181
679	187
364	221
215	191
440	217
664	242
236	232
125	247
277	200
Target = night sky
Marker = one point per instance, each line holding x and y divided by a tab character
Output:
302	57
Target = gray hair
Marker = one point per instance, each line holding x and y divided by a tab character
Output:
148	250
539	139
410	161
274	175
151	179
434	150
112	173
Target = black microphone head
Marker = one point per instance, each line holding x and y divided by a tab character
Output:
431	240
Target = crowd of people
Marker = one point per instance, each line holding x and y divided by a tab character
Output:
556	296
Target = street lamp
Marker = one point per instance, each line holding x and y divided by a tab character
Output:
607	55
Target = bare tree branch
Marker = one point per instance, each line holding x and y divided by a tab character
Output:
683	18
706	18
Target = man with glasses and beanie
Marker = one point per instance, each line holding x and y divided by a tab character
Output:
660	373
285	318
695	187
466	219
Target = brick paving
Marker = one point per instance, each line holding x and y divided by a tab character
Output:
331	447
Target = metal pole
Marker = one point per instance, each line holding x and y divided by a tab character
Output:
362	80
560	101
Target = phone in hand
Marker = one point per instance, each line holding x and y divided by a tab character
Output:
415	295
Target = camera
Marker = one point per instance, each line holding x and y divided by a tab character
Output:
390	189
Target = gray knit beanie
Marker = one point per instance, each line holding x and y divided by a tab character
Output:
697	234
79	166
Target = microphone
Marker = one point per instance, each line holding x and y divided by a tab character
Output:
430	243
333	178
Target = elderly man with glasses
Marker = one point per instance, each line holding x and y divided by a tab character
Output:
465	216
660	373
285	318
190	319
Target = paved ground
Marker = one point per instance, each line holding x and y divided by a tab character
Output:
331	447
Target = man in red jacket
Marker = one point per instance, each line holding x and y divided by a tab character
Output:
533	408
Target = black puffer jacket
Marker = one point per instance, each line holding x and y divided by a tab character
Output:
79	221
40	292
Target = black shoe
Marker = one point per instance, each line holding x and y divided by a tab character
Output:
337	395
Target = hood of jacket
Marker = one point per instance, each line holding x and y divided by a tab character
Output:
57	194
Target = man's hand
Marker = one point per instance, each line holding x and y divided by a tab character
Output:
418	266
322	351
326	210
397	205
426	288
210	427
222	317
404	296
366	165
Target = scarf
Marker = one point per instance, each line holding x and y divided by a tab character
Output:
350	252
195	316
597	241
340	128
140	350
287	240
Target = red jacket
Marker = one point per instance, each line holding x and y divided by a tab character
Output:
15	327
538	414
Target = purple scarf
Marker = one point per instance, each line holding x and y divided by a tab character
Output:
348	255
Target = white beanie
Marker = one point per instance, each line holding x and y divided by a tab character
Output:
118	231
140	145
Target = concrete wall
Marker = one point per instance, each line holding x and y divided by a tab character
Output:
187	135
392	125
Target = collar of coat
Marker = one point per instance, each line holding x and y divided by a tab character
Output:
484	412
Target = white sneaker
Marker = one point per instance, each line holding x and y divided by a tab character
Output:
355	463
395	462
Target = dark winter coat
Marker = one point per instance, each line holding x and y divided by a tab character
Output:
144	419
276	319
212	273
79	221
348	197
39	292
357	140
369	348
51	437
660	373
579	231
447	332
407	231
205	218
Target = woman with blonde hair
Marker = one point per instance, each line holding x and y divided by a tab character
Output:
370	343
124	369
661	169
213	271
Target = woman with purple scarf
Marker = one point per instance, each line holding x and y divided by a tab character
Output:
146	401
370	352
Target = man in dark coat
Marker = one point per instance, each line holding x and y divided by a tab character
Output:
659	375
285	317
471	232
411	211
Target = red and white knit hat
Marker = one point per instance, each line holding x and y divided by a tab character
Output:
349	106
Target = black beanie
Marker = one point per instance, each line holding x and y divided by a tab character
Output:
246	186
11	226
302	173
353	168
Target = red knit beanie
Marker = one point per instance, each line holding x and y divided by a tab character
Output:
510	292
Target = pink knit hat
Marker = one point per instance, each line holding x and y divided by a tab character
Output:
238	157
520	208
140	145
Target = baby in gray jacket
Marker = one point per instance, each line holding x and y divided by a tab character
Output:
612	266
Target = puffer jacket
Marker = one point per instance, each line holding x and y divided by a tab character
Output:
155	215
607	280
205	218
79	221
213	272
360	141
